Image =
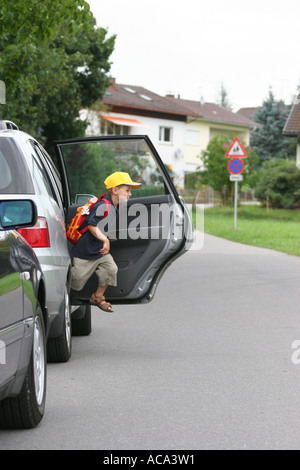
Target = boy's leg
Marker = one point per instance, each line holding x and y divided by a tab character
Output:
81	272
106	272
107	275
100	291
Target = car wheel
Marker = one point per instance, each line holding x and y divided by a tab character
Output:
82	326
60	349
26	410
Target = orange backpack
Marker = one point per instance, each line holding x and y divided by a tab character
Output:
74	232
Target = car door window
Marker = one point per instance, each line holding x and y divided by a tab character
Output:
42	176
88	163
52	169
14	175
41	179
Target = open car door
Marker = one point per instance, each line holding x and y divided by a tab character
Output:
154	226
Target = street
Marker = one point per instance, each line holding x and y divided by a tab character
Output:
206	365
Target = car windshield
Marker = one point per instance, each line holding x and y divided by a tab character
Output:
14	174
88	163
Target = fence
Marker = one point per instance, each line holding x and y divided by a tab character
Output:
211	197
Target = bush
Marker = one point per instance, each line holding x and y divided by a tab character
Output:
279	184
192	180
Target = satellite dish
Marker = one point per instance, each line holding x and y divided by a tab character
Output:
178	153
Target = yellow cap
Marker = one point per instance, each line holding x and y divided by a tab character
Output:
118	178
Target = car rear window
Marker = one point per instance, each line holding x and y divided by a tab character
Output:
14	173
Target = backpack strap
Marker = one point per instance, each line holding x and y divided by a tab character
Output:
106	212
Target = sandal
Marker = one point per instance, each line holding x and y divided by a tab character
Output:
101	303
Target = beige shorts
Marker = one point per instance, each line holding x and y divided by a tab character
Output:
105	268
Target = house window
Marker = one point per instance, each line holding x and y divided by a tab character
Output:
109	128
165	134
130	90
192	137
145	97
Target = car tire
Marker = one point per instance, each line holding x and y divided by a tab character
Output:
60	349
83	326
26	410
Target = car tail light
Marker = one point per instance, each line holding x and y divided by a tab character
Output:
38	235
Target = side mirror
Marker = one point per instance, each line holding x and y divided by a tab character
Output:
17	213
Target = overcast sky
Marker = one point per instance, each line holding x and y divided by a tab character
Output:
190	47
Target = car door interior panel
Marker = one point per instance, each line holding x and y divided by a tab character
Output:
152	226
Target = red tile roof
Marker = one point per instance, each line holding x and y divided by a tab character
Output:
249	113
139	100
213	113
292	125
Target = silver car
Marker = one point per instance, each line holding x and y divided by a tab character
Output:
28	171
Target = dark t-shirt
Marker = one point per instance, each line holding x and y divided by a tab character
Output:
88	246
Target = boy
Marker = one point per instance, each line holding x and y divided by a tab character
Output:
91	252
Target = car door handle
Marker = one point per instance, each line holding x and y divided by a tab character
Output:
25	276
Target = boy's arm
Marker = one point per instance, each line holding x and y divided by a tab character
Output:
96	232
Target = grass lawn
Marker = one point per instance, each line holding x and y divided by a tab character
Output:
275	229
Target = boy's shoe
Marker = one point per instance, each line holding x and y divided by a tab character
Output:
101	303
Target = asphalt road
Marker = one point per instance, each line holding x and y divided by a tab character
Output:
206	365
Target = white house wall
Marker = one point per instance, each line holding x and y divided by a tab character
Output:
171	153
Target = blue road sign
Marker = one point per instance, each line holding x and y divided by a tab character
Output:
235	166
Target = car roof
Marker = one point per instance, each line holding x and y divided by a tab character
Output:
9	128
5	124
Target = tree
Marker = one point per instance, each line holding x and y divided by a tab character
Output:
279	184
54	60
267	140
223	98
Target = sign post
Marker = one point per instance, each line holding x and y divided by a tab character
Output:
235	204
235	167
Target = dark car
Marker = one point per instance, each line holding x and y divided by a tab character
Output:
23	321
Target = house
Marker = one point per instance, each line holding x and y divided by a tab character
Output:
292	126
205	120
129	109
179	129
